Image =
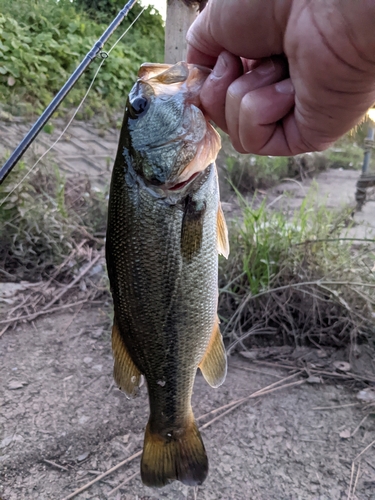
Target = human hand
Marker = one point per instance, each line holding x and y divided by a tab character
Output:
317	87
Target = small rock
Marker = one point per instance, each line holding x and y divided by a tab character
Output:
10	439
125	438
16	384
97	333
313	380
280	429
87	360
249	354
83	456
342	366
345	434
367	395
96	269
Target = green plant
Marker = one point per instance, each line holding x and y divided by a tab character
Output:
345	153
247	172
44	219
41	43
297	275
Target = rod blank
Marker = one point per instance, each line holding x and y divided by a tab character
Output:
63	92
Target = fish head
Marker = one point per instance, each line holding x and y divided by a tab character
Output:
169	138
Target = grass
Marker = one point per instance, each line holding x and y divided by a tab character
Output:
248	173
292	278
295	279
345	154
44	219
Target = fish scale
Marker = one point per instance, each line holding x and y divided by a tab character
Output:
162	259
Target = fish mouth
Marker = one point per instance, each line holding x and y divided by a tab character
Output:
185	80
179	186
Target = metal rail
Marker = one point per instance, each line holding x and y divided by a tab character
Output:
63	92
366	180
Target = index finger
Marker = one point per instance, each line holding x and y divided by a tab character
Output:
195	56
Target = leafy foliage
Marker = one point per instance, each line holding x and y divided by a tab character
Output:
42	42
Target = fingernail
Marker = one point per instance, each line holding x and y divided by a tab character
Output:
266	67
220	67
285	87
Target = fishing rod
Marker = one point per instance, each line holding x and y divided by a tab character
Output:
63	92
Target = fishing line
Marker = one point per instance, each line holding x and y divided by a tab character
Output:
104	55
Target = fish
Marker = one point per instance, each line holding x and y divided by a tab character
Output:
165	230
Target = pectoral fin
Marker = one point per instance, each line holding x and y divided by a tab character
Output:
222	234
214	362
192	228
126	374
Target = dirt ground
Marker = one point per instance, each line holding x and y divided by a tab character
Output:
63	422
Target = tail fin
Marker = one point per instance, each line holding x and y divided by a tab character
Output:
181	457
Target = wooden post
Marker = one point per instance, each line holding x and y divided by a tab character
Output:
179	18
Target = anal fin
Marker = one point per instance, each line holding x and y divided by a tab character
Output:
126	374
214	363
222	234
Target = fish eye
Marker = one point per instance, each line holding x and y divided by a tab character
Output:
137	106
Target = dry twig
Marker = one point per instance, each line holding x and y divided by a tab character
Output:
230	407
29	317
351	481
72	283
127	480
105	474
334	407
55	464
359	425
364	451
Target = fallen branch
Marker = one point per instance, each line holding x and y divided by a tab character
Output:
55	465
123	483
364	451
4	330
72	283
231	406
105	474
334	407
29	317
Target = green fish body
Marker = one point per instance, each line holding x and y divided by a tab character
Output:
165	229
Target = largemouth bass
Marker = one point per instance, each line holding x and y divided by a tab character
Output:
165	230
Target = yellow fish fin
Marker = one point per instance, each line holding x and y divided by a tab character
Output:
222	234
214	362
126	374
192	229
180	455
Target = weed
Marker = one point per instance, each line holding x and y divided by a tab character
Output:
297	275
44	220
248	173
41	43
